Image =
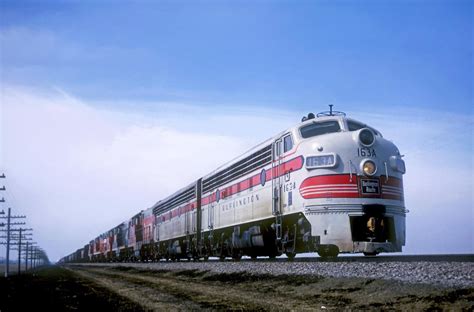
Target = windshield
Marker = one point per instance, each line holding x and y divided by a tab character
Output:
319	128
354	126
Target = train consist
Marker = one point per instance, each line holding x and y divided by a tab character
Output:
330	185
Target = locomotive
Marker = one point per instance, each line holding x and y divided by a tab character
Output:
329	184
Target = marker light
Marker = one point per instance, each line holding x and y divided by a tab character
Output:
397	164
369	168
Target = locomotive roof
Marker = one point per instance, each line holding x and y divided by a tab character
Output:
187	193
189	186
271	139
242	156
339	117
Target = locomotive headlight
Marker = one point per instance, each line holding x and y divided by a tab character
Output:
321	161
369	168
366	137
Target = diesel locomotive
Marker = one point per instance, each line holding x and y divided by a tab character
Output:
330	184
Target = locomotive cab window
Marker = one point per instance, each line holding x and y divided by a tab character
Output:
319	128
287	143
354	126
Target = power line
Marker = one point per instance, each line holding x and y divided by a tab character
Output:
9	217
16	237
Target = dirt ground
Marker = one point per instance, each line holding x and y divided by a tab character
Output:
58	289
128	289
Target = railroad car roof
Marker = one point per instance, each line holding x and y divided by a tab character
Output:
184	194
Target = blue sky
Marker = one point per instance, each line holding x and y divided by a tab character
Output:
260	53
105	87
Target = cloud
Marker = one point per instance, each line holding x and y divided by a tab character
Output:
77	168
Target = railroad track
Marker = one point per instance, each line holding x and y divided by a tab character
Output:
439	270
346	258
358	258
178	286
383	258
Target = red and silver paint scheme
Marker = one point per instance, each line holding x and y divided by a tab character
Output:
135	236
332	190
147	250
355	211
329	184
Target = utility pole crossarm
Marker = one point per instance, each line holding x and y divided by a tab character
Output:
19	239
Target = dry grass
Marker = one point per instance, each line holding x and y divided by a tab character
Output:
203	290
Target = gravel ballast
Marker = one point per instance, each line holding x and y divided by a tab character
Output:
442	273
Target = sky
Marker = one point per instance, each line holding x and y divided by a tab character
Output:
97	96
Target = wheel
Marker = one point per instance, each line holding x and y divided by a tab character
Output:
370	254
291	256
328	251
237	257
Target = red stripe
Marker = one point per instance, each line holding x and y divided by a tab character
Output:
206	200
330	179
255	180
149	220
294	164
392	182
344	181
291	165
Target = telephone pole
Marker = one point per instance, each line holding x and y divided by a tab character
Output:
13	238
9	229
2	189
29	255
9	217
26	257
20	237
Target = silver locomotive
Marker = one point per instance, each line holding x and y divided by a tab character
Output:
329	184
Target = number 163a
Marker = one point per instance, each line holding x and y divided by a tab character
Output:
366	152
